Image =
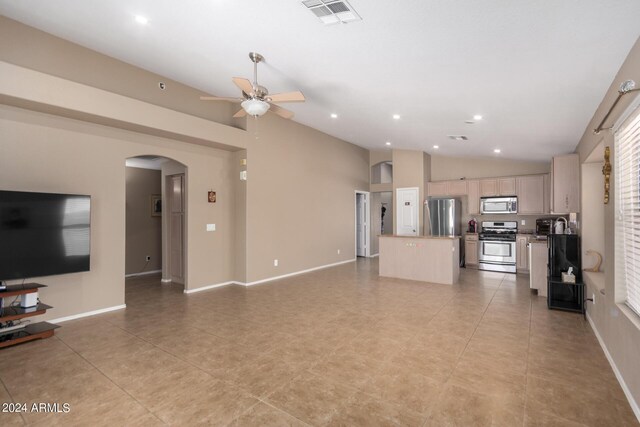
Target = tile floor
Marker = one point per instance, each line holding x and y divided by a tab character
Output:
339	346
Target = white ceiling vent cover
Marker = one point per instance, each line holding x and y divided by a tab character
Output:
332	11
458	137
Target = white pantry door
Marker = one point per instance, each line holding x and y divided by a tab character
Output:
407	211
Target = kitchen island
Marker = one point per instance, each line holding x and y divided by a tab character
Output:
425	258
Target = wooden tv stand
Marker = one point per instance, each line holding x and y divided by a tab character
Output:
8	313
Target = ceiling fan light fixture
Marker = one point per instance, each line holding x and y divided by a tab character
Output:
255	107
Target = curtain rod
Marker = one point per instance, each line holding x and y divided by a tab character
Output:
626	87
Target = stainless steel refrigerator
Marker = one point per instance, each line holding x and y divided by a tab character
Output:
442	216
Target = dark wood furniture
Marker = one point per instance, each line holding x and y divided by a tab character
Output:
10	313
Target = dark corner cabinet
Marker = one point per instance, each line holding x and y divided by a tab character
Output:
564	252
10	313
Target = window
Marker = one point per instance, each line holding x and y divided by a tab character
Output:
627	172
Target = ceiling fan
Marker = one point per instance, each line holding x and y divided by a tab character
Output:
256	100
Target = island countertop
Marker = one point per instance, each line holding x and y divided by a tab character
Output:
430	259
420	237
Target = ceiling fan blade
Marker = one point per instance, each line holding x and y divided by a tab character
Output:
282	112
296	96
219	98
244	84
240	113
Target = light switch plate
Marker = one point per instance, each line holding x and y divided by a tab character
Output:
211	227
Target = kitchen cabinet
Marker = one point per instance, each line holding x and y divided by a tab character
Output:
437	188
473	196
497	187
522	255
547	193
530	192
457	188
488	187
471	250
447	188
506	186
565	184
538	255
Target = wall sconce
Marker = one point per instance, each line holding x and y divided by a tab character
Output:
606	171
211	196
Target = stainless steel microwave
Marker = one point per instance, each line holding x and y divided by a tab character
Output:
499	205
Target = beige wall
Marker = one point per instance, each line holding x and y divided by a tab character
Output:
46	153
611	320
409	171
446	168
592	212
143	231
300	197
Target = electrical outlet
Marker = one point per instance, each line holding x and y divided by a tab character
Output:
148	258
211	227
523	222
338	251
275	262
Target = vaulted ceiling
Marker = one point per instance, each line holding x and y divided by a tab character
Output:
534	70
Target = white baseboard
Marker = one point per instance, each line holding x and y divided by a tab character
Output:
625	389
204	288
269	279
165	280
144	273
373	256
88	313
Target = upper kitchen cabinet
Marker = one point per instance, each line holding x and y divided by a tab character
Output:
498	187
565	184
506	186
531	194
447	188
473	196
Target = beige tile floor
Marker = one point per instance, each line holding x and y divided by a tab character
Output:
339	346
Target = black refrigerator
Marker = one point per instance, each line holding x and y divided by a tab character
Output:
564	252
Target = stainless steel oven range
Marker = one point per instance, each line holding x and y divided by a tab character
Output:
497	246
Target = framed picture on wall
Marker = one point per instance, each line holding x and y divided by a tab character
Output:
156	205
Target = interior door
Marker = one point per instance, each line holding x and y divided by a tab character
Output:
176	228
361	224
407	211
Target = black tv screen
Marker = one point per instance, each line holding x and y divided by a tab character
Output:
43	234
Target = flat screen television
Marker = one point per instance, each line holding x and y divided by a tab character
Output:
43	234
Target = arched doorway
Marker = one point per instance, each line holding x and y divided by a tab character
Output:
156	219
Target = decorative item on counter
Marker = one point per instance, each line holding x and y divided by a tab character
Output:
560	225
595	268
606	171
473	226
211	196
568	277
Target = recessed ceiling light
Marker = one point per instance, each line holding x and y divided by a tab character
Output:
497	150
141	20
436	146
387	143
396	116
334	116
477	117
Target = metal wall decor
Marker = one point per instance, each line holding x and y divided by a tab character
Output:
606	171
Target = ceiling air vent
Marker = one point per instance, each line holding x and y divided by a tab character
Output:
332	11
458	137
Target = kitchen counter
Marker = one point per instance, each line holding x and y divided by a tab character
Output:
425	258
420	237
